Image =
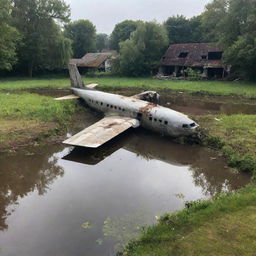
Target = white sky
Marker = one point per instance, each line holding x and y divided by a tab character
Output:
104	14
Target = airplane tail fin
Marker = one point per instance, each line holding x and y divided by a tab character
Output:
75	77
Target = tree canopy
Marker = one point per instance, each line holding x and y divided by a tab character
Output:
102	42
183	30
41	36
9	37
83	36
141	53
122	32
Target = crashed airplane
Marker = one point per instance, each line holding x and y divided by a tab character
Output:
123	112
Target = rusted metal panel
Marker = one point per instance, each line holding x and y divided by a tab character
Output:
101	132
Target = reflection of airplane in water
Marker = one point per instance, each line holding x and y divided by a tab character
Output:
207	170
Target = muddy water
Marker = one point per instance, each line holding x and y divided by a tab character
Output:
57	200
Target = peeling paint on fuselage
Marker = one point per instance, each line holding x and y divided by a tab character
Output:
151	116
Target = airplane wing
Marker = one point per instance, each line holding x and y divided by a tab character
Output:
102	131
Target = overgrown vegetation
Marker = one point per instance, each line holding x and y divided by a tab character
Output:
230	231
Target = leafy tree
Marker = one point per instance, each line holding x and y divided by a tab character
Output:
141	53
36	22
183	30
102	42
9	37
122	32
83	35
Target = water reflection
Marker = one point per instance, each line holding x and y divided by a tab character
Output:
209	170
24	173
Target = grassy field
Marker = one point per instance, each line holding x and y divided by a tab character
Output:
25	117
211	87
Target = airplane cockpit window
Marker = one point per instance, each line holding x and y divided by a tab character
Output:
185	126
192	125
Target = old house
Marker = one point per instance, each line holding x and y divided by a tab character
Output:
100	61
204	57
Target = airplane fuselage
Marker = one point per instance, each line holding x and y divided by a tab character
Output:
151	116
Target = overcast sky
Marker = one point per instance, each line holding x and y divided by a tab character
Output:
104	14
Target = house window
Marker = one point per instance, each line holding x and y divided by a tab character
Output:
183	55
214	55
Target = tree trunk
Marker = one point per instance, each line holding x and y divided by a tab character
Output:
30	68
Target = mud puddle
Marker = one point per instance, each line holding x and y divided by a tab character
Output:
57	200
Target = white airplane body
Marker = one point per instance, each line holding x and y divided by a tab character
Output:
123	112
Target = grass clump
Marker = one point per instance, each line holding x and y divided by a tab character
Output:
214	227
235	136
35	107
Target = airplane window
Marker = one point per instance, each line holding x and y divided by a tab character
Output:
185	126
120	108
101	103
111	106
115	107
150	118
160	121
155	119
165	122
107	105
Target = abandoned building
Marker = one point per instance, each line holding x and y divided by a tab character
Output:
100	61
204	57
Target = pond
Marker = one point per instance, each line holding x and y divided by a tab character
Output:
58	200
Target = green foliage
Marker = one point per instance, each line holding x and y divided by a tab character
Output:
102	42
232	23
9	37
141	53
122	32
183	30
42	45
194	74
83	36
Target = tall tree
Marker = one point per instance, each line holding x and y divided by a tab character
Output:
183	30
9	37
141	53
102	42
83	36
36	22
122	32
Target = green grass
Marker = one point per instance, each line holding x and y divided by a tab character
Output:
235	136
35	107
223	226
245	89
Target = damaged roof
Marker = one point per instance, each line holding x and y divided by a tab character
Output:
93	60
192	55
